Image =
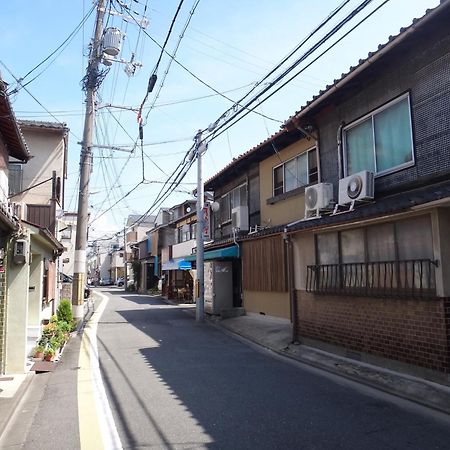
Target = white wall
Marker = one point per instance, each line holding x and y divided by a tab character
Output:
183	248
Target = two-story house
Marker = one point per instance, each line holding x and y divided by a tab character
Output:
136	229
12	146
37	191
372	278
180	234
354	205
256	193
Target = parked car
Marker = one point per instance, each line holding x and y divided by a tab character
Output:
106	281
120	281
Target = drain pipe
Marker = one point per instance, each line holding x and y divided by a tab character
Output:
339	149
316	140
291	285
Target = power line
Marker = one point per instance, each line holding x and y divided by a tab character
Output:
62	46
153	77
195	76
226	125
175	51
37	101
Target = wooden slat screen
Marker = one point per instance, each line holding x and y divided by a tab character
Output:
264	265
40	215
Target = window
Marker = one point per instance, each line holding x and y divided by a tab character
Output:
390	258
15	180
234	198
66	233
297	172
381	141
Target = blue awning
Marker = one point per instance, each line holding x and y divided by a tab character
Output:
177	264
220	253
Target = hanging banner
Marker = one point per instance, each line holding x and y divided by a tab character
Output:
207	222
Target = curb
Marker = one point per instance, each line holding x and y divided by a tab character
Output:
16	401
423	401
407	382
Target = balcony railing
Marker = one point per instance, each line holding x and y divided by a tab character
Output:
407	278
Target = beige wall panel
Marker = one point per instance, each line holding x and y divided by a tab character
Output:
271	303
288	210
304	255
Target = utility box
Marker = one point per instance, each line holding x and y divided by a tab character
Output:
20	251
218	286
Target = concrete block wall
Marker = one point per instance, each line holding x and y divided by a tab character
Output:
414	332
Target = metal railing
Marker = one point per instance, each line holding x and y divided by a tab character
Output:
407	278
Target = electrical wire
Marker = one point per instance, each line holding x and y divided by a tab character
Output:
155	70
174	53
162	196
195	76
61	47
234	119
38	102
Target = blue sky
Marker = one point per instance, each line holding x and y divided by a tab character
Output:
228	44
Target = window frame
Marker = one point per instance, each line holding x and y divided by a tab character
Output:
12	192
296	157
395	225
227	196
371	115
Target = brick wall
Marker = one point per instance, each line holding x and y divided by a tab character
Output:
411	331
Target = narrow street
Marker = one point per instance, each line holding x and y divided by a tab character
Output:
172	383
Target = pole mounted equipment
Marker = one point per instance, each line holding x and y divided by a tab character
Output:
91	83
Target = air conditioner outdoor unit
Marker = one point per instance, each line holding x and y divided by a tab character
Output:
20	210
318	197
356	187
239	218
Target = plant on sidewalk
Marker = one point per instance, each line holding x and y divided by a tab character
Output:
38	351
49	354
64	311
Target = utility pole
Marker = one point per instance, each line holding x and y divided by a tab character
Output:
125	272
91	86
200	288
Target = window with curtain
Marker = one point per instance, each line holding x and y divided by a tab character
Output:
408	239
381	141
299	171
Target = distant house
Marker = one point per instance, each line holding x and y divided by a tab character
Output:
180	237
136	229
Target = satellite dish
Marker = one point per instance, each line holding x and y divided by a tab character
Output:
188	209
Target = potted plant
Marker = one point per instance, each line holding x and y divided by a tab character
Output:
38	351
49	354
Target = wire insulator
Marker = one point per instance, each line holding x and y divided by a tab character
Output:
152	82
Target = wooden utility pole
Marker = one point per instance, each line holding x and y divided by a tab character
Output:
91	83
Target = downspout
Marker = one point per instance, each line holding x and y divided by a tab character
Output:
339	149
316	140
291	286
236	243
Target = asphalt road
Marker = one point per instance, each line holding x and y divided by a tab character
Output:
173	383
